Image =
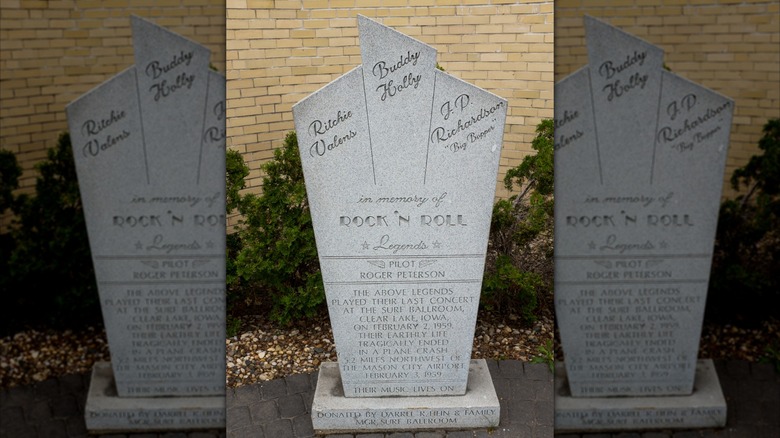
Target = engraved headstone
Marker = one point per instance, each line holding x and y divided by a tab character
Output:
639	161
150	155
400	161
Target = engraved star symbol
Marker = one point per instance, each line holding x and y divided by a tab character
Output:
138	245
365	245
436	244
592	245
209	244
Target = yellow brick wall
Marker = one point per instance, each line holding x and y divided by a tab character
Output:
51	52
732	47
278	52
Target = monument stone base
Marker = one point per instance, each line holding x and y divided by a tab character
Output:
705	408
106	412
334	413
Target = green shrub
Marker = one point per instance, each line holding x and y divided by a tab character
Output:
235	173
275	251
519	263
49	276
744	284
9	181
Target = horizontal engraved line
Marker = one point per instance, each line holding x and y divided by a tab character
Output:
164	380
454	256
415	381
193	281
601	382
633	282
658	256
477	280
142	257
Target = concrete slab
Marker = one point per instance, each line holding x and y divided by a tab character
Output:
332	412
106	412
704	408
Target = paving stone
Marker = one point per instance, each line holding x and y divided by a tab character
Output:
763	371
715	433
52	428
302	426
400	435
13	423
279	429
38	411
542	390
521	390
437	434
518	412
71	383
764	432
544	413
511	369
243	395
517	430
238	417
537	371
65	406
203	435
308	399
273	389
627	435
687	434
291	406
546	395
772	393
46	389
493	368
503	388
749	412
542	431
264	411
19	396
738	369
298	383
247	432
459	434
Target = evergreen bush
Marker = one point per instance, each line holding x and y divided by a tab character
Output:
745	278
519	266
275	252
49	279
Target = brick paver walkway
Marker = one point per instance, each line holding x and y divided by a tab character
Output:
280	408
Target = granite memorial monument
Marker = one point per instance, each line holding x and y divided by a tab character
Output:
149	147
400	162
639	161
